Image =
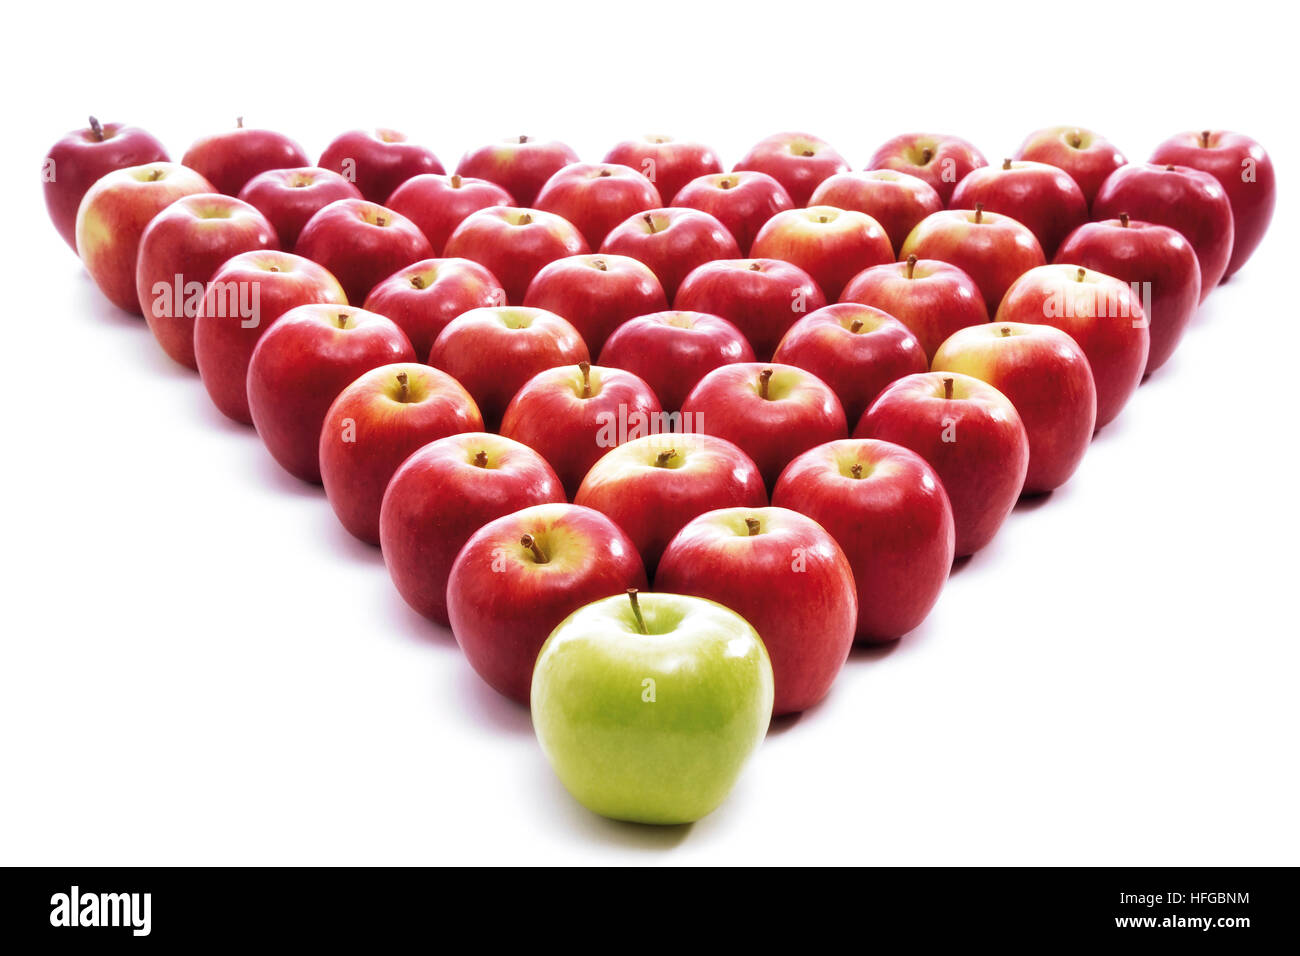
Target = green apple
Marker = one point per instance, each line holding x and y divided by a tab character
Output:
648	706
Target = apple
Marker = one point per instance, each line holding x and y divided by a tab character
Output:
773	413
785	575
761	297
362	243
672	351
82	158
231	158
1244	171
375	424
494	351
377	160
113	216
741	201
933	299
596	293
898	201
1087	157
798	161
180	250
438	204
596	197
519	165
671	242
994	250
425	296
1102	314
942	161
301	364
1181	198
648	713
248	293
970	434
831	245
514	244
1156	259
441	495
572	414
1042	198
889	513
855	349
288	198
668	163
520	575
1047	378
652	485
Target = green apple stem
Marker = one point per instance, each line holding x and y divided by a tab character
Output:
1123	219
529	542
764	377
754	526
636	611
96	130
911	265
947	387
481	459
585	369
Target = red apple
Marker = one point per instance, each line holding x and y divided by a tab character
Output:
438	204
441	495
741	201
520	165
1087	157
301	364
1181	198
671	242
831	245
375	424
972	437
672	351
942	161
798	161
596	197
377	160
1046	376
896	200
596	293
231	158
514	244
1244	171
889	513
668	163
785	575
82	158
362	243
288	198
243	298
1043	198
425	296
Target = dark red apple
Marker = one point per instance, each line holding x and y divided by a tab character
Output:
1043	198
596	293
361	243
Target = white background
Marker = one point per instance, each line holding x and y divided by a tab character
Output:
200	666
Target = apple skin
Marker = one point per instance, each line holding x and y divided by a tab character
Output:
362	243
596	197
425	296
82	158
742	201
571	414
831	245
1228	157
113	216
785	575
231	158
224	337
520	165
1181	198
375	424
652	485
888	512
941	160
1040	197
672	242
301	364
514	244
855	349
668	163
441	495
897	201
1159	258
504	603
974	441
494	351
288	198
933	299
1046	376
651	731
438	204
773	413
994	250
377	160
1101	313
672	351
596	293
184	246
800	162
1087	157
761	297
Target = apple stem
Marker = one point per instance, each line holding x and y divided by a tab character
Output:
855	470
1078	276
585	369
636	611
456	181
341	320
523	139
1006	163
403	387
1169	168
1123	219
239	122
649	221
96	130
947	387
911	265
855	326
1075	139
755	267
979	212
481	459
1006	332
754	526
417	281
529	542
927	154
600	264
665	457
764	377
525	220
726	182
1205	139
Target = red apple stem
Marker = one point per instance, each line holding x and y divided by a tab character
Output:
636	611
911	265
585	369
764	377
1123	219
481	459
754	526
947	387
96	130
529	542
